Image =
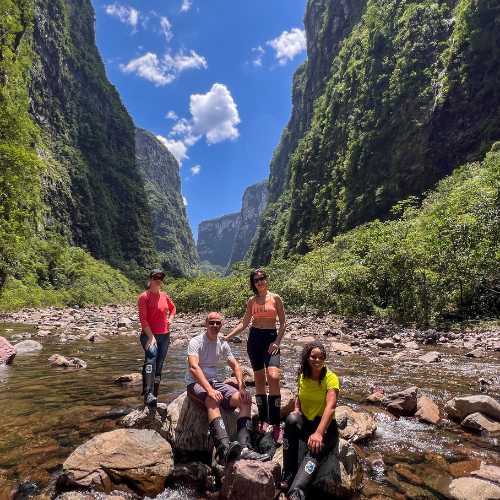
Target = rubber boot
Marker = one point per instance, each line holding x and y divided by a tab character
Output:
243	426
148	379
156	387
303	479
261	400
225	450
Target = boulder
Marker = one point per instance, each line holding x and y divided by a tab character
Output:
124	323
26	346
462	406
468	488
342	349
94	337
430	357
193	473
488	472
132	460
61	361
148	417
7	352
287	402
476	353
341	472
354	427
251	480
248	378
428	411
481	422
384	343
131	379
375	398
401	403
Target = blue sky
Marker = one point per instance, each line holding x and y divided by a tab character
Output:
212	80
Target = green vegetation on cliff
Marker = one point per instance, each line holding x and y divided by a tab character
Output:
438	260
412	91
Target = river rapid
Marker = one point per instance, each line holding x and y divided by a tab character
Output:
46	412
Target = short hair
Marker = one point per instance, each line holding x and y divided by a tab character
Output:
252	284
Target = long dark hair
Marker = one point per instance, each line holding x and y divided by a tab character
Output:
252	284
305	367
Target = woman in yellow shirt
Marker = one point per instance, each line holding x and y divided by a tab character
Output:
312	421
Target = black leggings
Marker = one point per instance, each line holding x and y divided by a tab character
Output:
298	427
258	344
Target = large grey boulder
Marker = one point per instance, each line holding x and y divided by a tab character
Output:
7	352
468	488
148	417
481	422
428	411
353	426
132	460
26	346
460	407
401	403
489	472
71	362
251	480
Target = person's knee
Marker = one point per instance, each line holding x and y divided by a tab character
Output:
210	403
293	423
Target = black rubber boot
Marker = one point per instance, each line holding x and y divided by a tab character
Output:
226	451
304	477
148	379
274	410
156	387
243	426
261	400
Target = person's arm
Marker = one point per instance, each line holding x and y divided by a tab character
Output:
171	310
244	395
315	442
143	318
298	408
199	376
274	347
244	323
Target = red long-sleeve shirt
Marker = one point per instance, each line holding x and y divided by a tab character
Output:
154	311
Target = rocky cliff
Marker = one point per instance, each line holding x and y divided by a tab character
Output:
393	97
216	237
173	236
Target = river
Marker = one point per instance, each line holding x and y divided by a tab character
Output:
46	412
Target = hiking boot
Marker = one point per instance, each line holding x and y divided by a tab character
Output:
228	453
248	454
277	435
149	399
286	481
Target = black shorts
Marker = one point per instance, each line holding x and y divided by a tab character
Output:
258	344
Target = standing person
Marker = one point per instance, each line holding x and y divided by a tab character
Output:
263	349
313	421
156	313
203	389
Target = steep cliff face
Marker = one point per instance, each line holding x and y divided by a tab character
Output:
394	96
93	191
253	203
173	236
216	237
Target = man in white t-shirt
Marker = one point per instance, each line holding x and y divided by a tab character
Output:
204	390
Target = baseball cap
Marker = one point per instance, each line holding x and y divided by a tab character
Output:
156	271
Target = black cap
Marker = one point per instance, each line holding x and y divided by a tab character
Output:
156	271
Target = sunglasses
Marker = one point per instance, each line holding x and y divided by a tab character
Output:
215	323
262	278
158	278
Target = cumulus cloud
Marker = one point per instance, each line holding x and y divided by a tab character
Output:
185	5
195	170
184	201
260	51
163	71
127	15
165	28
177	148
288	45
172	115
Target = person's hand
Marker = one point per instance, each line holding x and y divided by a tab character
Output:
245	397
273	348
296	411
149	343
223	337
315	442
170	320
216	395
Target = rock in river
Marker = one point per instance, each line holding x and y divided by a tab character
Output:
7	352
467	488
353	426
28	346
128	459
463	406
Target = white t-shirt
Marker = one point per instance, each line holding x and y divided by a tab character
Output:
209	353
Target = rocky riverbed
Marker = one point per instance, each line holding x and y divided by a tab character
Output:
68	360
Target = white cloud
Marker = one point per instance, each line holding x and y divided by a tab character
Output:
172	115
127	15
288	45
258	61
196	169
177	148
163	71
149	67
184	201
165	28
185	5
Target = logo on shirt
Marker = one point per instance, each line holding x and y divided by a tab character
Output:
310	466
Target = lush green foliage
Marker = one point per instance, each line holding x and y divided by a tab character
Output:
412	93
438	260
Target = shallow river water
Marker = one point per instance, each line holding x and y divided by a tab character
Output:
46	412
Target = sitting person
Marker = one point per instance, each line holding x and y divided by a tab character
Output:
204	353
312	421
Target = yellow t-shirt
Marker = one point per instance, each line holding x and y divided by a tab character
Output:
313	395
